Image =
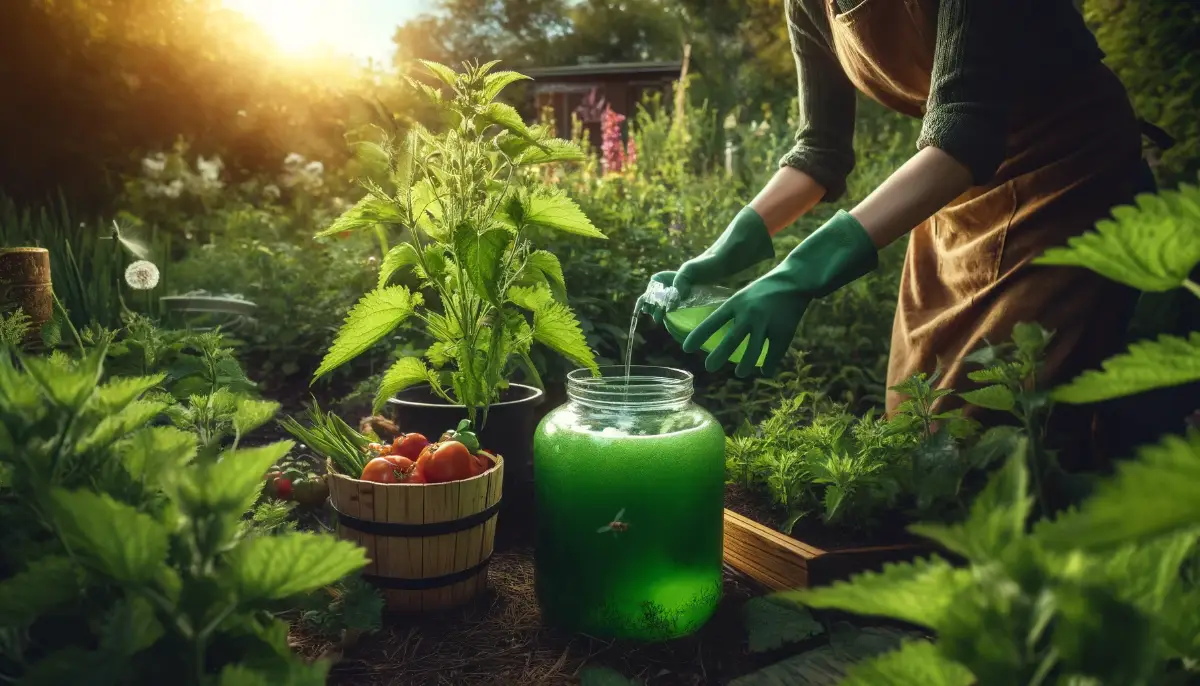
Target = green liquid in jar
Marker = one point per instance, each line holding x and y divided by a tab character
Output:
683	321
660	578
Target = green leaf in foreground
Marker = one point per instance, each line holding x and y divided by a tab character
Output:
772	624
372	318
277	567
558	212
1155	495
406	372
399	257
365	214
917	663
828	664
47	583
991	398
1152	247
919	593
121	542
555	326
1168	361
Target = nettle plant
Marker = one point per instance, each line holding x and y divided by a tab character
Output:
125	556
467	209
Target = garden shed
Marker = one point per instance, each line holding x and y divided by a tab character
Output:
620	85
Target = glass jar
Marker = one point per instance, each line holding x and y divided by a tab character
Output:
630	481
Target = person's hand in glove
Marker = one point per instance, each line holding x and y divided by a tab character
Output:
743	244
768	310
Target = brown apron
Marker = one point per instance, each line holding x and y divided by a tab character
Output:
1073	152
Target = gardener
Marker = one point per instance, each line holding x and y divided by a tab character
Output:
1026	140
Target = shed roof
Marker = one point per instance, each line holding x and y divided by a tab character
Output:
632	68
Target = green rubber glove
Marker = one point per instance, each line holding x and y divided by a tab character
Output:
743	244
768	310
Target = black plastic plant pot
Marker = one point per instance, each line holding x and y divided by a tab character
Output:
509	430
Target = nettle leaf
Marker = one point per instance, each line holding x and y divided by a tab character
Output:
920	593
558	212
365	214
113	427
153	452
1168	361
251	414
1152	247
68	388
547	263
917	663
497	82
406	372
232	483
1158	494
991	397
444	74
428	210
399	257
999	373
555	326
130	627
372	318
506	117
482	257
277	567
998	514
773	624
549	150
114	395
47	583
126	545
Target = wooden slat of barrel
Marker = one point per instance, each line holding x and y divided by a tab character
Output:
422	557
25	284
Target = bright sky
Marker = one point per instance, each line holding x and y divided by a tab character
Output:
363	28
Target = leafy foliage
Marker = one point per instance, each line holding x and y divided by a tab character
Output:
1021	612
772	624
468	208
1169	361
122	529
1151	247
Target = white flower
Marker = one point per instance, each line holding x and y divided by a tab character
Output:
210	170
141	275
173	189
154	164
293	160
314	168
271	191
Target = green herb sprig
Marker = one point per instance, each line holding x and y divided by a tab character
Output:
331	438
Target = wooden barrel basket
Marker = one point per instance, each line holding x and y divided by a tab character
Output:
428	544
25	284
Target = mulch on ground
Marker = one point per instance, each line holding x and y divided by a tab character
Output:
501	640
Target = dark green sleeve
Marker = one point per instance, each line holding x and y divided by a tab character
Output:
825	138
970	90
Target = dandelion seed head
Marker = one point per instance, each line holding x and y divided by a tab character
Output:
141	275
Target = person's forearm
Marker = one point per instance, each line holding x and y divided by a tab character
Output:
787	196
926	183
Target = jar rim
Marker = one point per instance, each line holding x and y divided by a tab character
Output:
646	387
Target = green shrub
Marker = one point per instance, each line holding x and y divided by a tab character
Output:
124	556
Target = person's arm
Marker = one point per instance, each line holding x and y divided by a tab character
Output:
963	133
816	167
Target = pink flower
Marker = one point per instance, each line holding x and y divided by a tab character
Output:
611	146
631	152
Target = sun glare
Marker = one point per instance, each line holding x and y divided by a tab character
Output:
298	26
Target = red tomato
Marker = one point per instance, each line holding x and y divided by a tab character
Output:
404	464
283	488
450	461
409	445
381	470
424	458
415	478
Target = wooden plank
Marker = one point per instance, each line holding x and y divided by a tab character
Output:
780	562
